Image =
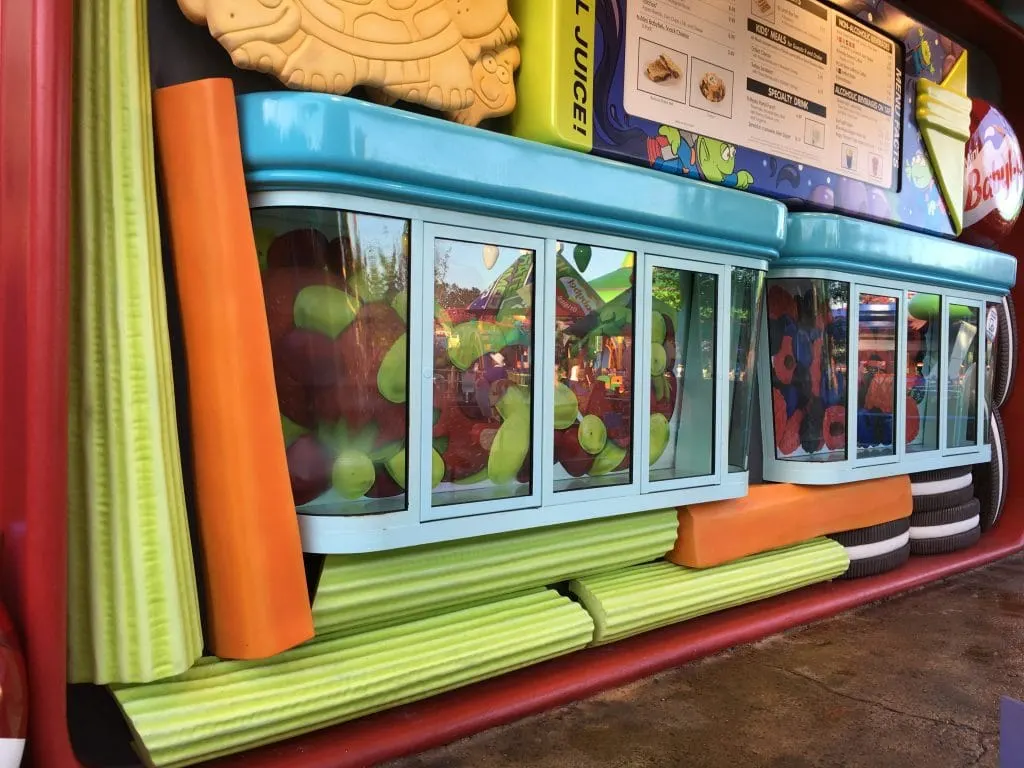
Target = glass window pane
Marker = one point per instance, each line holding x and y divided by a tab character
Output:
991	330
682	428
335	285
744	328
808	343
962	416
483	383
876	375
924	363
593	366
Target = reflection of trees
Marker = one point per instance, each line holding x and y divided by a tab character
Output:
384	264
448	294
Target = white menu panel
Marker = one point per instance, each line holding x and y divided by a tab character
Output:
794	78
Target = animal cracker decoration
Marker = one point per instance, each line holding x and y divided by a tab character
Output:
455	56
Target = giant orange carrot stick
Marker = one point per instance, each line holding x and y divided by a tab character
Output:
772	516
255	583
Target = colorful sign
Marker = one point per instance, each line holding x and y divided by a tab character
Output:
993	178
791	99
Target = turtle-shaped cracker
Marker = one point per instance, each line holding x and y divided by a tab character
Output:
432	52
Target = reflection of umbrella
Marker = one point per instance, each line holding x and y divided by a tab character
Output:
613	284
511	293
576	298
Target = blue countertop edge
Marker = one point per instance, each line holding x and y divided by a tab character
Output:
829	241
316	142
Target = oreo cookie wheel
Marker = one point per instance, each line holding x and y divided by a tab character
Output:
941	489
1004	365
875	549
990	480
947	516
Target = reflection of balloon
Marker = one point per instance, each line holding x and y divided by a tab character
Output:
878	204
947	65
823	195
581	255
852	195
490	256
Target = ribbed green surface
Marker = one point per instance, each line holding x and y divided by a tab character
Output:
221	707
133	607
638	599
360	592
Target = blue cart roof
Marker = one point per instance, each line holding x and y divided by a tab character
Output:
838	243
312	141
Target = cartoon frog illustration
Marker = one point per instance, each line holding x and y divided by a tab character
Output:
920	56
696	157
919	171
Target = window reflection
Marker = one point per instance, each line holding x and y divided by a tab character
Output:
682	420
923	371
747	294
593	366
335	285
483	383
876	372
962	416
807	339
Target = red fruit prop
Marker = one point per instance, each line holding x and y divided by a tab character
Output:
881	393
994	178
670	352
307	357
781	303
340	259
783	361
384	486
665	405
359	350
778	412
281	286
391	423
570	454
913	420
298	248
463	456
597	404
816	347
309	468
834	427
525	473
789	439
293	399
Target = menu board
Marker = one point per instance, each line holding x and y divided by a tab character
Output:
793	78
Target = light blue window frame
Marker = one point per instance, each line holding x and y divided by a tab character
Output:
899	407
723	313
431	234
853	468
978	304
420	523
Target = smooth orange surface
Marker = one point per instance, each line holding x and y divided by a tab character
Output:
777	515
257	603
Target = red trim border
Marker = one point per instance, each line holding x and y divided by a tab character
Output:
35	123
35	135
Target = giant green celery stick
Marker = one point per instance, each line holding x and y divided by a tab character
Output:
221	707
133	605
361	592
644	597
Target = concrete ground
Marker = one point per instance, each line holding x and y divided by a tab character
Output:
911	682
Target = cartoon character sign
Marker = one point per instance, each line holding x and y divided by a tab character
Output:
696	157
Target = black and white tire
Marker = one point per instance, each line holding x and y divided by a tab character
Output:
945	530
1004	367
991	480
875	549
941	488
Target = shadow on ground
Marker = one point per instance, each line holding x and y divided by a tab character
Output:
913	682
